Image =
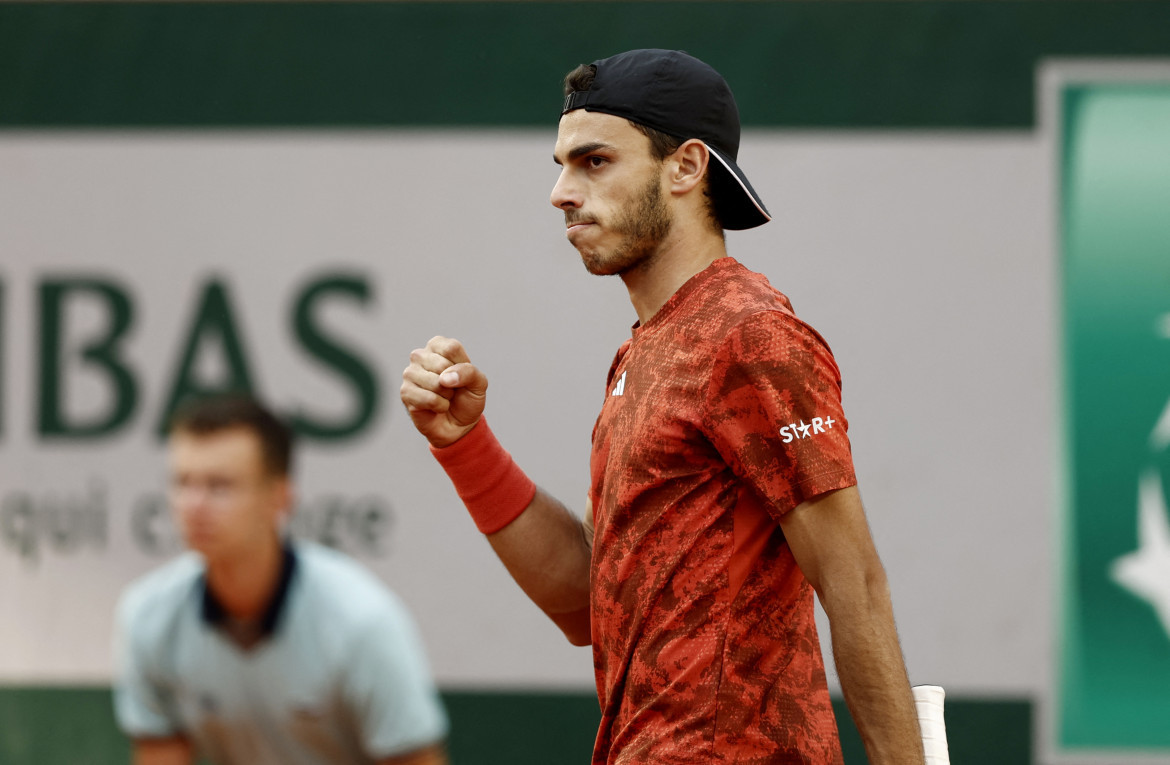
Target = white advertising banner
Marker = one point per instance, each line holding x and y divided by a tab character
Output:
137	266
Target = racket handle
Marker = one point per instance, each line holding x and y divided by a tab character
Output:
928	700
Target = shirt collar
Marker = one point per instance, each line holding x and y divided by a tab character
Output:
213	612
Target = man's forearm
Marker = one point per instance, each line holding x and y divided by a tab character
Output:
547	552
873	676
544	547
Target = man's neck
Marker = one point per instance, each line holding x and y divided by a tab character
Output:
678	259
245	585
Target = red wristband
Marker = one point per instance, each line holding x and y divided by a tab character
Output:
491	485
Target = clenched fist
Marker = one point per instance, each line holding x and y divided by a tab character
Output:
443	392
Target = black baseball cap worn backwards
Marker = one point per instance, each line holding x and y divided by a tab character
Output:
676	93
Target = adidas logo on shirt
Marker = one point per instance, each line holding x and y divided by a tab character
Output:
620	388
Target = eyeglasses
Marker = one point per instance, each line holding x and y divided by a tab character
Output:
213	490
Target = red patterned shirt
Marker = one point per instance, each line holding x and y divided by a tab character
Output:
723	412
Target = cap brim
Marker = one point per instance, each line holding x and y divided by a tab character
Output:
738	204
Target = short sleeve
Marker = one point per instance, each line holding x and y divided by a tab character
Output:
141	703
390	688
773	410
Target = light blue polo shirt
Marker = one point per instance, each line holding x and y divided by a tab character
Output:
342	678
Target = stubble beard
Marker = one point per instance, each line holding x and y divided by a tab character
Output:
643	227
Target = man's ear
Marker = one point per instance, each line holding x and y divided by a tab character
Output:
283	498
689	165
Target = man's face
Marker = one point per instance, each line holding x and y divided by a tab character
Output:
225	501
610	189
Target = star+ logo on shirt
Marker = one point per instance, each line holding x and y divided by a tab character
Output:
792	432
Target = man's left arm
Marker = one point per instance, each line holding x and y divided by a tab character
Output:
830	539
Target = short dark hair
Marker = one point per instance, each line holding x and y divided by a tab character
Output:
204	415
662	145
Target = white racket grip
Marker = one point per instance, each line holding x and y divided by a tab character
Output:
928	700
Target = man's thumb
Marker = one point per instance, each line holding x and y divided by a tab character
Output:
465	376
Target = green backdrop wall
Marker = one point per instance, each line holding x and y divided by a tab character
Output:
799	63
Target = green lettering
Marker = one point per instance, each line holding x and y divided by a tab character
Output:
214	321
102	353
344	361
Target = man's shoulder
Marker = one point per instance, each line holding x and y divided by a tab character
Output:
725	295
156	598
745	293
331	565
751	305
340	584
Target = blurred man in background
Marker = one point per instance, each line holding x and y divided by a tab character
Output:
252	649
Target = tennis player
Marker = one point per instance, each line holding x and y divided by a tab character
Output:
255	650
722	486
